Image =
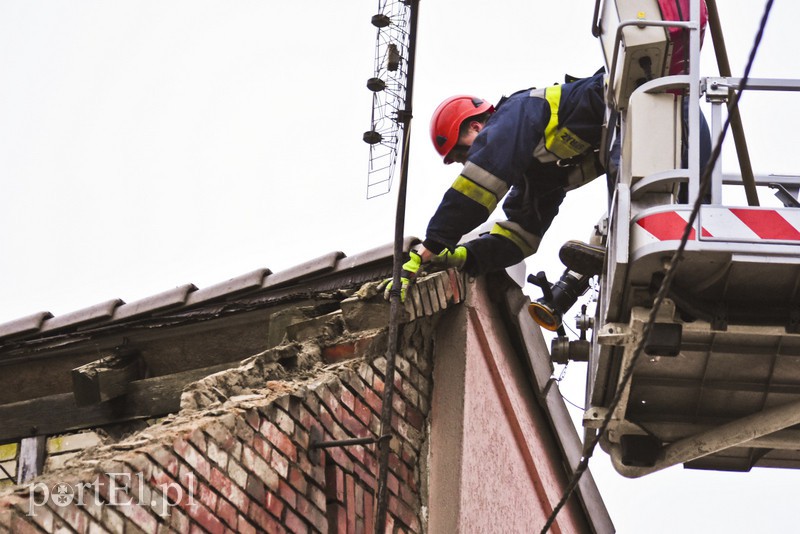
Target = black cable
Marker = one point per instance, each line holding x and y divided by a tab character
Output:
665	284
581	408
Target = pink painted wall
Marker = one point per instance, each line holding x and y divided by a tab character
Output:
504	473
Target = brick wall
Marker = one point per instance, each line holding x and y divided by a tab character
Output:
243	462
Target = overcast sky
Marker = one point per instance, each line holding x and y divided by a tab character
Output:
149	144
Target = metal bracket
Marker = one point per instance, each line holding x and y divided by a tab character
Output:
594	416
315	443
613	334
716	89
788	199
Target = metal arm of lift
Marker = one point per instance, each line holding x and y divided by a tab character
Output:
732	434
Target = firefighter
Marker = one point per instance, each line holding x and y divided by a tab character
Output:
531	149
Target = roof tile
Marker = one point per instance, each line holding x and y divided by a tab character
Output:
251	280
24	325
316	266
96	312
167	299
376	254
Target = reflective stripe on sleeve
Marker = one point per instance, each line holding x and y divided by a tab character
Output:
485	179
479	194
527	242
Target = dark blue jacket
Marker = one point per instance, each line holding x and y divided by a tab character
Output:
537	145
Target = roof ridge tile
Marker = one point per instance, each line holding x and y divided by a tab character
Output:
96	312
24	325
166	299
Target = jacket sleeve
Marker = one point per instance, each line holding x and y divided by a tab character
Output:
496	162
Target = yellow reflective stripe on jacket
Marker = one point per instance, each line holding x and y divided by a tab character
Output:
553	97
479	194
560	141
527	242
485	179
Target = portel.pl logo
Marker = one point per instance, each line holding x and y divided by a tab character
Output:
122	489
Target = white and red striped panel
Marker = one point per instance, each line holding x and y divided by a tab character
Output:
757	225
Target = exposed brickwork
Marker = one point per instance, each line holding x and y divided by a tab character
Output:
239	458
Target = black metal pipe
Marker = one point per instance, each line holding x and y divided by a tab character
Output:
596	30
395	303
347	442
737	129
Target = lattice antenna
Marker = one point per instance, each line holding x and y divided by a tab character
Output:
388	85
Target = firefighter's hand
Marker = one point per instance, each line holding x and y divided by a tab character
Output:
407	276
447	259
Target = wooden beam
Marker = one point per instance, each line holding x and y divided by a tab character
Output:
57	414
31	458
106	378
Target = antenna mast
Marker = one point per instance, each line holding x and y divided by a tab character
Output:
391	91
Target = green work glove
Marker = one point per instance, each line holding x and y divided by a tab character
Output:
407	276
447	259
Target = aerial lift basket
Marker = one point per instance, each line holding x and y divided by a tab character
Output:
718	383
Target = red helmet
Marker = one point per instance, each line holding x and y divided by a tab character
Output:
448	117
